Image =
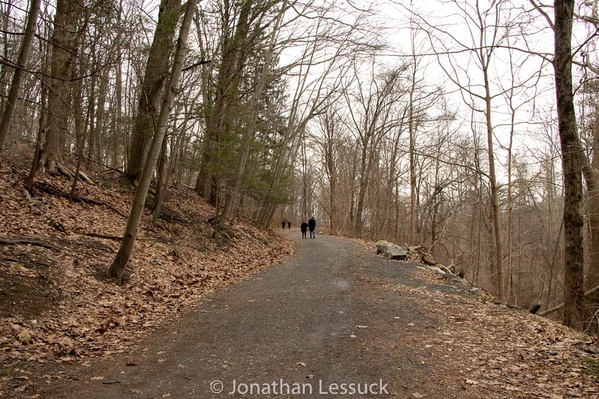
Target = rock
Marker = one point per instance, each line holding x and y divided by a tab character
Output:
445	269
442	273
391	250
396	252
24	336
450	276
381	246
428	259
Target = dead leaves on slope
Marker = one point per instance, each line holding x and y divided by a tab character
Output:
503	352
80	313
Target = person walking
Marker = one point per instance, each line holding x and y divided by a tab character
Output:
304	228
289	224
312	227
283	223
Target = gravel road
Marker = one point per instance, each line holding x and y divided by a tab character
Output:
324	324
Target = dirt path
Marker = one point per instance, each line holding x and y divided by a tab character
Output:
329	316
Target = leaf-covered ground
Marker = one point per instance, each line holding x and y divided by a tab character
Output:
56	303
503	352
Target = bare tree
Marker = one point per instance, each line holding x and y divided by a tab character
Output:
572	163
118	266
69	27
488	29
319	73
156	73
372	114
329	140
13	94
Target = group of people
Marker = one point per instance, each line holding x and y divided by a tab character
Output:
304	227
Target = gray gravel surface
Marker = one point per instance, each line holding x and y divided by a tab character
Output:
324	324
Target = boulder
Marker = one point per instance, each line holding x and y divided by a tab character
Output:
396	252
428	259
24	336
381	246
445	273
391	250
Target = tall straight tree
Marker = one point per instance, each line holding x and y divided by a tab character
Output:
118	266
13	94
64	44
156	73
572	164
589	17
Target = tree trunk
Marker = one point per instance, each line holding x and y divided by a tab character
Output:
64	46
362	187
591	178
165	171
98	128
162	184
412	153
39	142
250	130
571	165
118	138
13	94
157	69
122	258
494	192
219	118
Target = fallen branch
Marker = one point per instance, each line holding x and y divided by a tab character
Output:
85	178
65	171
561	305
98	235
48	188
70	173
23	240
10	260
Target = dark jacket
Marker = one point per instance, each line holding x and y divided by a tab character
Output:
304	227
312	224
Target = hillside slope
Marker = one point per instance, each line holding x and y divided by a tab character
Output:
56	303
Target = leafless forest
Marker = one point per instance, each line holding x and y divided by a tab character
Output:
466	127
